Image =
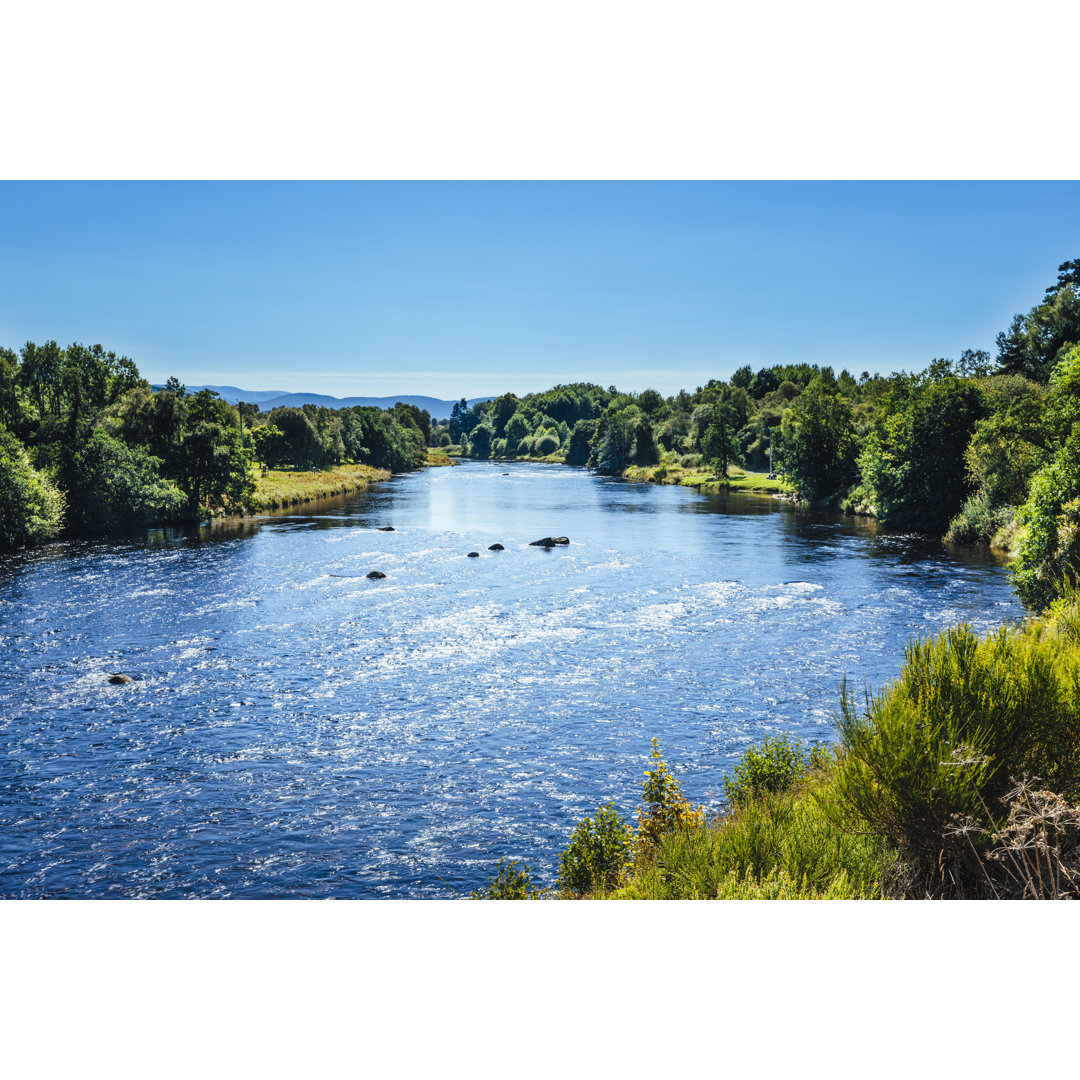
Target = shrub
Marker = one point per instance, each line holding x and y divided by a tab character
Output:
547	444
509	883
944	741
665	807
31	507
773	767
978	520
598	853
781	846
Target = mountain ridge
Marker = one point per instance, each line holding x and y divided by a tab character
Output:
439	408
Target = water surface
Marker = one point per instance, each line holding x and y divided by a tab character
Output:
296	730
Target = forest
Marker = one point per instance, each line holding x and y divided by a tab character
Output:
973	450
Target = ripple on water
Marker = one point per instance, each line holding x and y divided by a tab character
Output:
297	730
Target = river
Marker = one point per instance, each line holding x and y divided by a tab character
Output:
294	729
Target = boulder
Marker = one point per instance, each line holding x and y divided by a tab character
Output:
118	679
376	575
496	547
550	541
473	555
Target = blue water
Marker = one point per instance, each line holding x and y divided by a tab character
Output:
294	729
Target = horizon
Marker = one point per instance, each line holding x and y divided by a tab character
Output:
469	289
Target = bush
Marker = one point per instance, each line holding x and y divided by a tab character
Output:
546	444
1048	556
665	808
978	520
773	767
945	740
781	846
509	883
31	508
597	855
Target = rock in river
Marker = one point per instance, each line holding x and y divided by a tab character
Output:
496	547
376	575
386	528
550	541
473	555
119	679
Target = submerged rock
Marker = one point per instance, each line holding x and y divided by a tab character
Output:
386	528
118	679
376	575
550	541
496	547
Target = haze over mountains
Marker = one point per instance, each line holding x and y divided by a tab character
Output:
272	399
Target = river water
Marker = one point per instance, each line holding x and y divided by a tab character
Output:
294	729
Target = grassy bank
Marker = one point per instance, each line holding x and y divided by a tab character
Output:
290	487
959	780
706	480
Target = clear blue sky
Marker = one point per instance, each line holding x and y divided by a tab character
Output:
468	289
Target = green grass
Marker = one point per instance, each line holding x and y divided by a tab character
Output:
289	487
705	479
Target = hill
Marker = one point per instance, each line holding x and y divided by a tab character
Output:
272	399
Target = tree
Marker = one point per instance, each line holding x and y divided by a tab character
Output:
481	439
818	442
113	487
1048	556
31	507
912	462
1035	342
517	427
719	442
209	465
645	452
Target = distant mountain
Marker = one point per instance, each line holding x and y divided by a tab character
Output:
272	399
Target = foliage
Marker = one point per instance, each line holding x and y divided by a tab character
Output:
1009	444
818	447
912	462
114	487
978	520
598	853
1035	342
780	846
509	883
965	716
718	440
1048	556
31	507
774	766
664	808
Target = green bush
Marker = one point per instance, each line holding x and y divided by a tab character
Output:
665	808
598	853
1048	556
773	767
31	507
947	739
509	883
978	520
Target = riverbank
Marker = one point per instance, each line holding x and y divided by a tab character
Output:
936	789
280	488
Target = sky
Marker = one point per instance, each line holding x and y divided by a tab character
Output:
469	289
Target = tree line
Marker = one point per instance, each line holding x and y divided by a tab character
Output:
87	447
975	449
